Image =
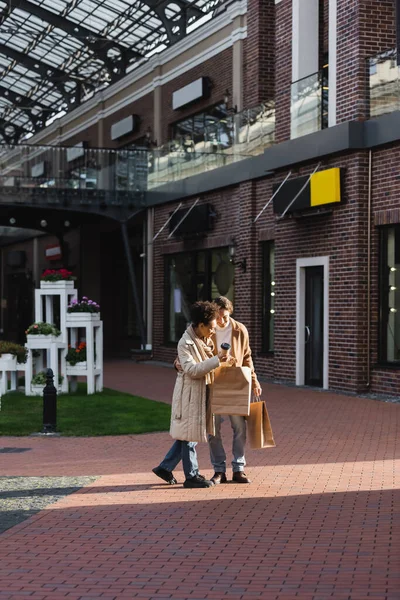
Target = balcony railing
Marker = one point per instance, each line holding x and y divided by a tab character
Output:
72	176
309	104
85	176
384	83
235	138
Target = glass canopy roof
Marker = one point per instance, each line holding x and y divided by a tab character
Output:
55	54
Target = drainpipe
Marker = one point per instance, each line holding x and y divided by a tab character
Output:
368	383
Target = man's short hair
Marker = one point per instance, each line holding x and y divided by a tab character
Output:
203	312
225	303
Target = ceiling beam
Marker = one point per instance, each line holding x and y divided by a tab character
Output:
21	101
53	75
14	135
181	20
96	43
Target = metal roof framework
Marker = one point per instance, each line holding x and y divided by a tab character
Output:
55	54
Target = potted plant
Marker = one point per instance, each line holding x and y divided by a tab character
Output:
42	331
57	278
83	310
39	381
76	357
9	351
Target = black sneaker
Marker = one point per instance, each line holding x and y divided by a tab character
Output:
197	481
165	475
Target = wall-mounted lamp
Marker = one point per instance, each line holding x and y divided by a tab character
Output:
227	96
149	137
232	253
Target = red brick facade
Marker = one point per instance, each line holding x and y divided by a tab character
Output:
218	69
341	235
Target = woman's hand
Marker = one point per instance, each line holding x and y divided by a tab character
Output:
226	360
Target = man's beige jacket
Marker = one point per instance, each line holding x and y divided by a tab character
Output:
240	348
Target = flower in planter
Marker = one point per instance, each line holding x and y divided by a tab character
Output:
84	305
15	349
42	329
77	354
40	379
57	275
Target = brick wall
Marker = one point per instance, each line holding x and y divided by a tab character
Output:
89	135
218	69
260	52
386	200
144	108
365	28
283	69
341	235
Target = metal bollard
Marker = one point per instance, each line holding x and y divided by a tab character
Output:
49	404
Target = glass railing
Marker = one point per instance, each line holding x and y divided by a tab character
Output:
309	105
384	83
79	175
232	139
74	175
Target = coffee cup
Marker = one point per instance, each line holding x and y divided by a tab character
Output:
225	347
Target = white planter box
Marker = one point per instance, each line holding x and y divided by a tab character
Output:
37	390
31	337
58	285
8	362
82	365
82	317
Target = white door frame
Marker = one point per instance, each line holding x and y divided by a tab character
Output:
301	264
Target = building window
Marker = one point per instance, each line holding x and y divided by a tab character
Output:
268	296
210	126
390	295
193	276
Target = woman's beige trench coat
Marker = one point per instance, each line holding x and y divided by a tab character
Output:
189	419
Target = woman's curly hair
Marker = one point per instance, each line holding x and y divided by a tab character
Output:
203	312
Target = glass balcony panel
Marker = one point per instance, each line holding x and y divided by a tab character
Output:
231	138
384	83
306	106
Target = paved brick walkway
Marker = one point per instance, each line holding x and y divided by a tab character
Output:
320	520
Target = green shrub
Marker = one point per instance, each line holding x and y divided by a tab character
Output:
42	329
16	349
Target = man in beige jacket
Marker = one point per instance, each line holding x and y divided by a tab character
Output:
230	331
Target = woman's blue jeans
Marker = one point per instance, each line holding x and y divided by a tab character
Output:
185	451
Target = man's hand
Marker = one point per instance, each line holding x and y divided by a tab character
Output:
257	391
178	365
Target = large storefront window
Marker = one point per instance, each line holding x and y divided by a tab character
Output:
194	276
268	297
209	126
390	295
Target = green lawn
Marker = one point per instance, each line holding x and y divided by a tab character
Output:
107	413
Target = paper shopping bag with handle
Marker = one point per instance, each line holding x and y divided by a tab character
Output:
259	431
231	391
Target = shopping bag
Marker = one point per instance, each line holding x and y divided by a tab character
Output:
259	431
231	391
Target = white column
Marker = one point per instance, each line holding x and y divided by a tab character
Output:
237	74
157	118
332	62
305	38
149	277
99	356
90	358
